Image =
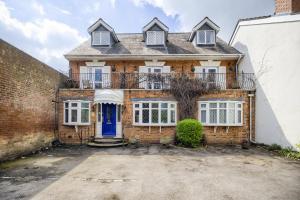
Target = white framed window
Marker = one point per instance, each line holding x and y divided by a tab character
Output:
206	37
101	38
157	113
76	112
155	38
221	113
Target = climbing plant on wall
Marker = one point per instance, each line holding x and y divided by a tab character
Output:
186	89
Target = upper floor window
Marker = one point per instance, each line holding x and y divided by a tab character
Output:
155	38
206	37
101	38
221	113
76	112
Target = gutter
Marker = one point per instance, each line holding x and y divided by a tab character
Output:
153	57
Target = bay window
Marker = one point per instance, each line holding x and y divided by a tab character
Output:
76	112
154	113
221	113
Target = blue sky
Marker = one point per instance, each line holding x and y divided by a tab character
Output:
49	29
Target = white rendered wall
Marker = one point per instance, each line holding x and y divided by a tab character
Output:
272	52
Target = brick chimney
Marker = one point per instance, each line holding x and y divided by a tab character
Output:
287	6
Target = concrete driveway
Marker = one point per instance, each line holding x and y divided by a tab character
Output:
154	173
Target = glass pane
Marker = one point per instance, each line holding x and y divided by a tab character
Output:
73	104
145	105
201	37
213	116
73	115
222	105
99	112
172	116
231	116
145	116
203	105
212	105
210	37
98	74
66	115
84	116
222	116
239	105
66	105
136	105
84	105
136	116
154	105
157	70
203	116
231	105
239	116
172	105
164	116
164	105
157	85
154	116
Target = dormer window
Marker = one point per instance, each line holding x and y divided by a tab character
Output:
155	38
206	37
101	38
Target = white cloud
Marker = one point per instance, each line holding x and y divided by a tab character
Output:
224	13
55	38
63	11
38	7
113	3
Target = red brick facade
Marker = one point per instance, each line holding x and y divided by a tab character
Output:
27	89
287	6
153	134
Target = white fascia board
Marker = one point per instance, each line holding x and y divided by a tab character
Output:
270	20
103	23
159	23
155	57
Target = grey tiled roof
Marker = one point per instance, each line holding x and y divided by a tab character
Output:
133	44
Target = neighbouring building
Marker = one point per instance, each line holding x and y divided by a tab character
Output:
119	83
271	47
28	88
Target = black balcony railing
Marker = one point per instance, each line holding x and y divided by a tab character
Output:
157	81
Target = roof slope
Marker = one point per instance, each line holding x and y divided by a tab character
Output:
132	44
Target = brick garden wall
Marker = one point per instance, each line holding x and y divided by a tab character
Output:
27	88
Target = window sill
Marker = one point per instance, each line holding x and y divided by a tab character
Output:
157	125
77	124
222	125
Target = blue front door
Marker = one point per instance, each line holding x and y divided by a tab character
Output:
109	120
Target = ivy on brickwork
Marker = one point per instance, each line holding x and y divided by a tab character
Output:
186	89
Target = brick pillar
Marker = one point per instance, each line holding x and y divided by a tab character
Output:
287	6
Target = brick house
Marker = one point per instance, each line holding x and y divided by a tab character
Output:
119	83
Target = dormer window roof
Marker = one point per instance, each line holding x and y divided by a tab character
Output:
205	32
155	33
102	33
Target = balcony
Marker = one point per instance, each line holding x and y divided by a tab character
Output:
158	81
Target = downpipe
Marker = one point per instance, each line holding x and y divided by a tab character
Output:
250	118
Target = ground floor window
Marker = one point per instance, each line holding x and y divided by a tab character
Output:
154	113
76	112
221	113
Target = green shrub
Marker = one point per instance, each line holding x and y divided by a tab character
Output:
290	153
189	133
274	147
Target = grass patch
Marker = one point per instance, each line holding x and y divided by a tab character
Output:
285	152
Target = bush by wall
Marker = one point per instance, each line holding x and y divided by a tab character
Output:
189	133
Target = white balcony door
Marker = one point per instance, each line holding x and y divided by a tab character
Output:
95	77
